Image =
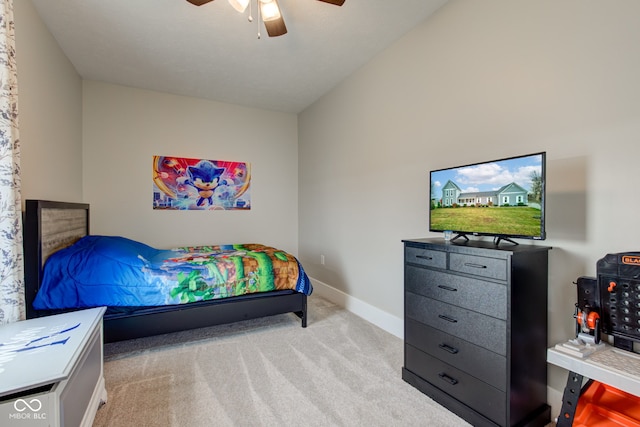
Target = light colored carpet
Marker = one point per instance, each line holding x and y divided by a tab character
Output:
339	371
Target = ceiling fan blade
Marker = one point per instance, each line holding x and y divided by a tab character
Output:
199	2
275	27
336	2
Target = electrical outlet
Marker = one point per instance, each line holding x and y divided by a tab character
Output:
321	259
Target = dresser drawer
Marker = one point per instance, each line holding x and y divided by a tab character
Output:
479	329
477	295
479	362
474	393
426	257
478	265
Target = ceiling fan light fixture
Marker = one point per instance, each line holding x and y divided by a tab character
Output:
239	5
269	10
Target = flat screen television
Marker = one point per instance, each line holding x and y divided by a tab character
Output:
503	198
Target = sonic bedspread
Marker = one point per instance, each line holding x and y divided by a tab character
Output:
119	272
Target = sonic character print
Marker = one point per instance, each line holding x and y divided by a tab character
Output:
205	177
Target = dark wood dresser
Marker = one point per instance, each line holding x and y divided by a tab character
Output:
476	329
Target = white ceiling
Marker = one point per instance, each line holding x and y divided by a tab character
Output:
213	52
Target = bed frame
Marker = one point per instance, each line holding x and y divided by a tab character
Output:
50	226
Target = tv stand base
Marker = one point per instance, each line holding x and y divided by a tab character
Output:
497	239
461	235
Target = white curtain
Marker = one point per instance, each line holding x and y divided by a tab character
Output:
11	260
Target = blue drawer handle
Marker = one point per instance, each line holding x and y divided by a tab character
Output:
447	378
428	258
447	318
447	288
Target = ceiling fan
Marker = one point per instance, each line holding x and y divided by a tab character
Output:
269	13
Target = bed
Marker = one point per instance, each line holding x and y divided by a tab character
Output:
56	227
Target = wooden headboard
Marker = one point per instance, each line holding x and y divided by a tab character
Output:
48	226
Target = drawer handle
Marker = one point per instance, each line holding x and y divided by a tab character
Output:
447	288
428	258
470	264
447	378
448	348
447	318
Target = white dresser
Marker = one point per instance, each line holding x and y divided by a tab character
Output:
51	370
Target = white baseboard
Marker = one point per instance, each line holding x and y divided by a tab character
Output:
392	324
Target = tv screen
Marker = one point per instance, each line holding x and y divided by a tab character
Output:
502	198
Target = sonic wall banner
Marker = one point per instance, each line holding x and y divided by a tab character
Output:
182	184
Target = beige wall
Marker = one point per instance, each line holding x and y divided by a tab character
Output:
50	112
124	128
477	81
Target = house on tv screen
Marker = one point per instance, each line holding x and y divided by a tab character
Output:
508	195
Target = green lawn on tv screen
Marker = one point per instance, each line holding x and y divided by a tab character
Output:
514	220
